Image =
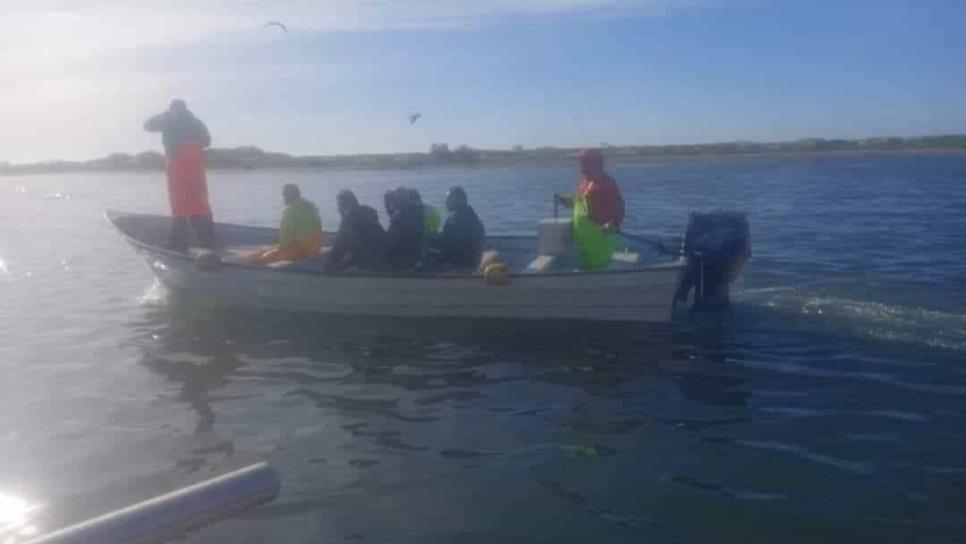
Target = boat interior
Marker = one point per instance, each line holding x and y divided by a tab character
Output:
518	251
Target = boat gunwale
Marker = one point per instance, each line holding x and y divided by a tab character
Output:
110	216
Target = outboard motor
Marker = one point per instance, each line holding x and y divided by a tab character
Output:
717	245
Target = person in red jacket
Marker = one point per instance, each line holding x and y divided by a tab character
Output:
598	211
185	138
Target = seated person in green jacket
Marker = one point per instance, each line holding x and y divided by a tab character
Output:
431	224
300	234
431	217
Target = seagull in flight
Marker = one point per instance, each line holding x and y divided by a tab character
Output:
276	23
414	117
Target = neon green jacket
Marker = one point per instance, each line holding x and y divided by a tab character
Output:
595	248
431	219
300	223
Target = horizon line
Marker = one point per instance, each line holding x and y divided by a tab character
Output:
512	148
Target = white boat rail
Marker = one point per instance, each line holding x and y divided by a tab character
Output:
172	515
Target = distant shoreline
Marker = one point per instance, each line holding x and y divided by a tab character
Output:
654	159
441	157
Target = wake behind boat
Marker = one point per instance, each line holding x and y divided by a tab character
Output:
641	283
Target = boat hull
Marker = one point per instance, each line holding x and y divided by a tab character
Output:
624	296
642	294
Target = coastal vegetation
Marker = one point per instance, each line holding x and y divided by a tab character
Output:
441	154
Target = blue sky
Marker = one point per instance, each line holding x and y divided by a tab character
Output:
81	76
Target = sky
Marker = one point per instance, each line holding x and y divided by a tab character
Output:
78	78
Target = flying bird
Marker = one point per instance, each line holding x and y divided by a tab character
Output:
276	23
414	117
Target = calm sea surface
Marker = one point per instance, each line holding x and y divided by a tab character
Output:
828	406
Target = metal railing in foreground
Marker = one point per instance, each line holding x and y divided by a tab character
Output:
173	514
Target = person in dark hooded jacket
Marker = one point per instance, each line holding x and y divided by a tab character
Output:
463	238
404	238
360	243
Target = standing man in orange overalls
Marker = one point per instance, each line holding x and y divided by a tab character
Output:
185	138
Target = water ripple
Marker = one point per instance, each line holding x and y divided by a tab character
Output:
864	468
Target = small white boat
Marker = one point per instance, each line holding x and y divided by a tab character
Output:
640	285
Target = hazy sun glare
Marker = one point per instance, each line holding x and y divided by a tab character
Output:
75	82
77	78
16	519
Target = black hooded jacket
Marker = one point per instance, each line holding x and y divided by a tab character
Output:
463	238
404	239
176	128
360	242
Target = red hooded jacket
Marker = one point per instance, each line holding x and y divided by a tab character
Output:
601	191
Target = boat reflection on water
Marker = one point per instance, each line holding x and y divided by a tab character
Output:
198	372
347	406
202	348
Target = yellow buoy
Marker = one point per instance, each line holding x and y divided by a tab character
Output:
496	274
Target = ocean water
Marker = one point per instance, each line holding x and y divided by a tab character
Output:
828	405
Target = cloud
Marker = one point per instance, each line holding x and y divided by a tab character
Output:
62	37
71	71
68	35
78	26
